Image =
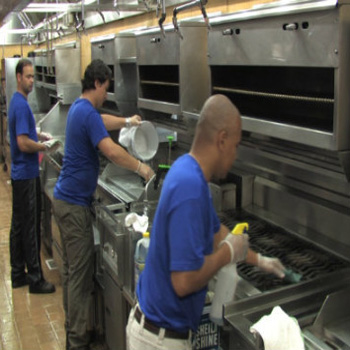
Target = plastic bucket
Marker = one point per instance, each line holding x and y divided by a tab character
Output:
144	141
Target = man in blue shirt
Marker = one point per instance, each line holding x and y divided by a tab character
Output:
26	192
188	245
86	134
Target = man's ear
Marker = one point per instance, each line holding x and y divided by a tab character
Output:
222	139
97	84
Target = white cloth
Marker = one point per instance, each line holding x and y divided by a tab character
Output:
279	331
126	135
52	145
139	223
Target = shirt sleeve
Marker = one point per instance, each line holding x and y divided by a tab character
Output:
97	130
216	220
22	120
190	239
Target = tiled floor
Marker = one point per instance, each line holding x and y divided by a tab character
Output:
27	321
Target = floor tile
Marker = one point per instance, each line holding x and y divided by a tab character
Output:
27	321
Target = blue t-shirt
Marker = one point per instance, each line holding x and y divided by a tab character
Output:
182	234
78	177
21	121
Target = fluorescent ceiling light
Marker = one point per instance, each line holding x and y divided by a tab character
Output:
58	7
36	8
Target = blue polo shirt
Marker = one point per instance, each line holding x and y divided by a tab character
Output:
78	177
182	235
21	121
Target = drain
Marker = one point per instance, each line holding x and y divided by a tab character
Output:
50	263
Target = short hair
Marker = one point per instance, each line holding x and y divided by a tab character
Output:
21	64
96	70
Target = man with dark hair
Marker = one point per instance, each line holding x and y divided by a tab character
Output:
26	192
86	133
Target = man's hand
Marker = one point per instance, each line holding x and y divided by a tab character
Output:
52	145
145	171
271	265
45	136
238	245
135	120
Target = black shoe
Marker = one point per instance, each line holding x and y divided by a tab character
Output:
42	287
20	282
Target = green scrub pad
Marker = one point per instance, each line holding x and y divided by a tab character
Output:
291	276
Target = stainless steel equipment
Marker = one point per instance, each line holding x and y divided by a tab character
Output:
173	73
119	193
103	48
54	123
304	45
126	73
58	72
118	52
112	260
285	66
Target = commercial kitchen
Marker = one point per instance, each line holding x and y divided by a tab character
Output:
285	65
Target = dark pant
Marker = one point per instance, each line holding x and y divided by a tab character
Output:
25	230
75	225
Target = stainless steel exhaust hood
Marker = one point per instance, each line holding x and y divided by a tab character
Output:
59	18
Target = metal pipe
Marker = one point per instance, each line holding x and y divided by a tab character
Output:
81	24
187	6
162	18
100	12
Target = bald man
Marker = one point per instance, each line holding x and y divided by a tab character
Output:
186	248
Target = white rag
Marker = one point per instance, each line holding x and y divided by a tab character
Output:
139	223
126	135
279	331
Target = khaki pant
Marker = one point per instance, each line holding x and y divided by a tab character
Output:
75	225
139	338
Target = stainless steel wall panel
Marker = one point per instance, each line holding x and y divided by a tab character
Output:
110	224
55	121
103	48
329	220
173	72
67	66
342	84
286	68
154	49
126	78
265	41
316	138
125	47
298	167
58	70
115	314
194	69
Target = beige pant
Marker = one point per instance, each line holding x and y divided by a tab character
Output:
139	338
75	225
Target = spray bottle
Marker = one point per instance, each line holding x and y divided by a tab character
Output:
226	283
140	255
